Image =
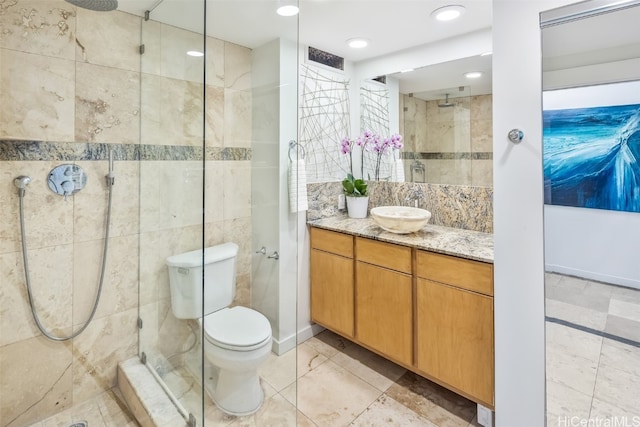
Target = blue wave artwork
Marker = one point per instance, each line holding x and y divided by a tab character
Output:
591	157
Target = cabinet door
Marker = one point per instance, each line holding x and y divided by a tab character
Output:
332	291
455	338
384	319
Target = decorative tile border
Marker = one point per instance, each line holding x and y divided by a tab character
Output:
16	150
481	155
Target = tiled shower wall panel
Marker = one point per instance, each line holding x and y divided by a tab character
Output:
73	87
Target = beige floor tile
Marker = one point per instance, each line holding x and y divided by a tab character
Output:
626	294
308	358
623	327
275	411
331	396
328	343
280	371
602	411
387	412
571	370
621	356
564	340
433	402
374	369
290	393
625	309
564	402
617	387
575	314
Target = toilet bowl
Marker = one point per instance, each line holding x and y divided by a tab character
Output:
236	340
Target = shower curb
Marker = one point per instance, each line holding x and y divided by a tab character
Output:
145	397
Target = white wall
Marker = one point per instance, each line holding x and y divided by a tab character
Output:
518	212
593	243
274	282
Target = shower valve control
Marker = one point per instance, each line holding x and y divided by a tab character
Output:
67	179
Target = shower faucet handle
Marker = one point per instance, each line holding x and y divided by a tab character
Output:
274	255
262	251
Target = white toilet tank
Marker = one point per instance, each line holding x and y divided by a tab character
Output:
185	280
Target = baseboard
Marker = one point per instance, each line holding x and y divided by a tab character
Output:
590	275
282	346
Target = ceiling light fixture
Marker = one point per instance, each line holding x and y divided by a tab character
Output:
486	53
473	74
358	43
287	8
448	13
408	70
195	53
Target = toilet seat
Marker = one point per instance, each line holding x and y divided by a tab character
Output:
237	328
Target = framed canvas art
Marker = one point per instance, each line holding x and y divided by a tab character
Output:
591	143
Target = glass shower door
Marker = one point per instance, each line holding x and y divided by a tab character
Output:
218	114
171	193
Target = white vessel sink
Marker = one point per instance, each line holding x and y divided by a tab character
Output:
400	219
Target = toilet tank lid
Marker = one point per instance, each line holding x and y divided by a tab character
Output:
211	254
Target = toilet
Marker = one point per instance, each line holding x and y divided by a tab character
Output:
236	340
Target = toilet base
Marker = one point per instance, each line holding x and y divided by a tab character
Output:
234	393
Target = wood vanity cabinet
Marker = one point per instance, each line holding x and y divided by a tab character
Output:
332	290
384	318
431	313
454	323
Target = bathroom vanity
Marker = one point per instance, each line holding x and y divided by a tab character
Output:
423	300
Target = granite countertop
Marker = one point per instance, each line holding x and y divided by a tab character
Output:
445	240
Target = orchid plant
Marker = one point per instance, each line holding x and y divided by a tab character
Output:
370	142
383	146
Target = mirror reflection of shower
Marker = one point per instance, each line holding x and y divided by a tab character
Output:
67	175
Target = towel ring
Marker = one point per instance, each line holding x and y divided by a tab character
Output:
295	146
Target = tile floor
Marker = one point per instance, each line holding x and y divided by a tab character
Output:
593	353
105	410
593	376
338	383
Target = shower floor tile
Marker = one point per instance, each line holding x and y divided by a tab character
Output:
105	410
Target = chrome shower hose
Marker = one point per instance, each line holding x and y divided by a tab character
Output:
32	304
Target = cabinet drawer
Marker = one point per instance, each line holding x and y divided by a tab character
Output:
331	241
472	275
383	254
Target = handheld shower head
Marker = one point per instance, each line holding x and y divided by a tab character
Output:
21	183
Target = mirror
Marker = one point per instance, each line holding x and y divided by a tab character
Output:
591	137
445	119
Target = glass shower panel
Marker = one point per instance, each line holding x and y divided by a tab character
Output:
218	114
171	194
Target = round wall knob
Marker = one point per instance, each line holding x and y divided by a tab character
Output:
515	135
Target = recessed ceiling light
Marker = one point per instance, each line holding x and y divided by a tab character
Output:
195	53
287	8
358	43
448	13
473	74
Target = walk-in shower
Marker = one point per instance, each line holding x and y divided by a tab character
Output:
64	180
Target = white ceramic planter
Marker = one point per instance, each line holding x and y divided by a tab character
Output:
357	206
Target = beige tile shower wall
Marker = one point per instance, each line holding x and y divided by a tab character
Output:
67	75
